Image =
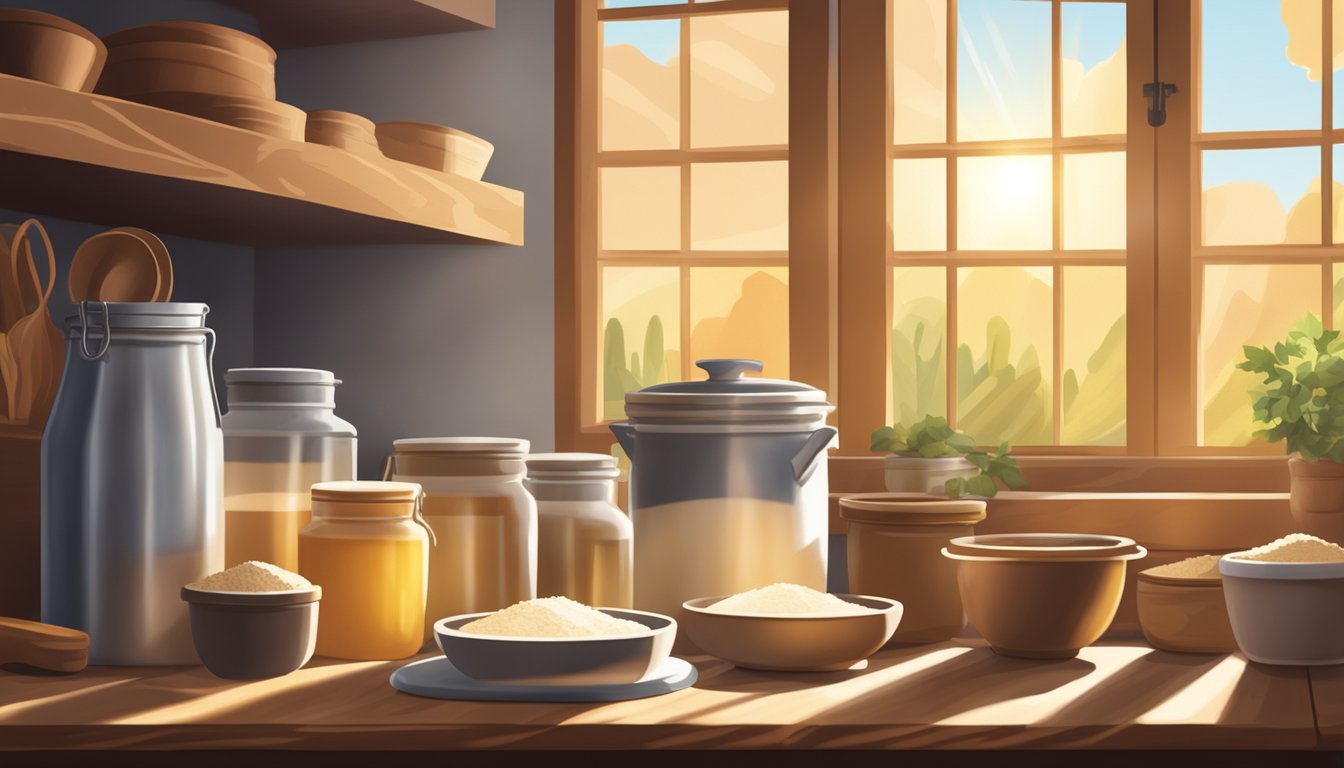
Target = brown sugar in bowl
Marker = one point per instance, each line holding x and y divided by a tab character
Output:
1041	595
1184	613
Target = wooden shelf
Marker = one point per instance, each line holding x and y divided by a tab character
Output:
299	23
103	160
957	695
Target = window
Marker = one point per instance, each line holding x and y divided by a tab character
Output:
1012	245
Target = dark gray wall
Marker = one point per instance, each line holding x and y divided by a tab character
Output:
431	340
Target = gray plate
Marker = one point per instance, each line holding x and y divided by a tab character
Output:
437	678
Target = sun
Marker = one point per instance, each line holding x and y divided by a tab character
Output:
1020	182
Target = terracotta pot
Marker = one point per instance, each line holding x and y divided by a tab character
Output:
1317	497
912	474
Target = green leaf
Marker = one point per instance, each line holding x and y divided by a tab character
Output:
961	441
1311	326
979	459
1012	477
981	485
882	440
1258	360
955	488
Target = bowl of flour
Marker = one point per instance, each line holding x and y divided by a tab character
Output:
556	641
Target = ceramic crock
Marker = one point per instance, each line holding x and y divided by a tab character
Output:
728	485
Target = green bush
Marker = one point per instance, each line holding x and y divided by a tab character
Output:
932	438
1304	401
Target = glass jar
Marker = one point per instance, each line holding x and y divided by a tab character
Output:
368	548
281	435
895	550
484	519
584	540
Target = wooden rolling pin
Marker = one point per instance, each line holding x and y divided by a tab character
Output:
44	646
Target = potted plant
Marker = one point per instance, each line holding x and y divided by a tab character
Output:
1303	405
932	457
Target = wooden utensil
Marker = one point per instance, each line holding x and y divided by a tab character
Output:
34	342
43	646
11	299
115	265
161	258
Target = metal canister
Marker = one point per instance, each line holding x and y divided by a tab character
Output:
132	461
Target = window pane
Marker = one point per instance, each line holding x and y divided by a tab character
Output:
1093	383
918	377
1003	70
1337	202
1005	332
740	206
1094	200
641	86
919	204
919	71
740	79
1338	295
1092	73
741	312
1260	65
1004	203
636	3
641	328
641	208
1262	196
1245	304
1337	29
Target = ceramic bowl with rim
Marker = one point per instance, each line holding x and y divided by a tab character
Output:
1041	595
1183	614
1285	613
253	635
437	147
51	49
792	642
594	660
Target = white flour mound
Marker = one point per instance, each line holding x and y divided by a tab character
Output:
1295	548
252	576
551	617
787	598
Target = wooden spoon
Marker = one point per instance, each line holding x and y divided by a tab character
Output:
114	266
13	303
43	646
35	345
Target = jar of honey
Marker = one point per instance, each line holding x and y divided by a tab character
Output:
584	540
485	521
368	548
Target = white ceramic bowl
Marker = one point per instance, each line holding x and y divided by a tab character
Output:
604	660
792	642
1285	613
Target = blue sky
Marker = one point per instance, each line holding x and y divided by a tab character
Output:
659	40
1249	84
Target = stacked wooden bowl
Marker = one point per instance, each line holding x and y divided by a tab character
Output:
40	46
345	130
435	146
199	69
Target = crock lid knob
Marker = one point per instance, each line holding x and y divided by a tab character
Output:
729	369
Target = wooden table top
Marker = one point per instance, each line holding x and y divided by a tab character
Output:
955	695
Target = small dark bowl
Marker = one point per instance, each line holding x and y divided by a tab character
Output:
253	635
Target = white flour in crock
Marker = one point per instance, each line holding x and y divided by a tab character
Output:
551	617
1201	567
252	576
1295	548
786	598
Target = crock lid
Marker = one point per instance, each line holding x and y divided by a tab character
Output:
910	509
365	491
308	376
728	396
504	447
142	314
1050	547
550	466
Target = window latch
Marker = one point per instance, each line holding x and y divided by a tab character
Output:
1157	94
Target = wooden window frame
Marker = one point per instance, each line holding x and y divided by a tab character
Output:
812	255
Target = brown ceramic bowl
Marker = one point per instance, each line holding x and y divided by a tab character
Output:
436	147
1184	615
124	72
894	548
792	642
198	32
1041	595
343	130
253	635
40	46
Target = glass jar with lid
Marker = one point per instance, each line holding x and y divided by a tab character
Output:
584	540
281	435
484	519
368	548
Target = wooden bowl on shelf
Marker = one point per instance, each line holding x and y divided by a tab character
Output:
201	33
264	116
344	130
436	147
50	49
